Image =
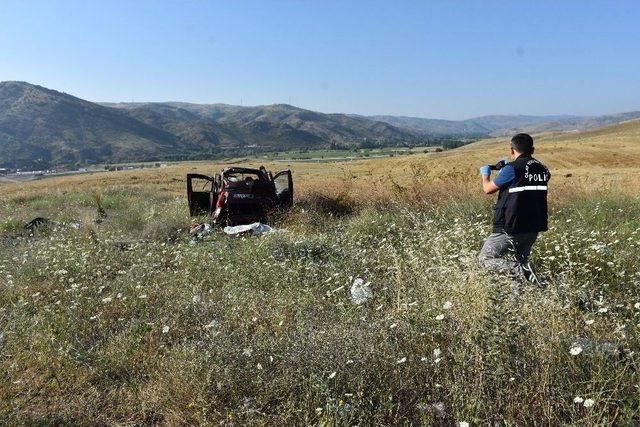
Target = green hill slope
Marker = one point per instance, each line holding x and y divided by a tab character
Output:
41	127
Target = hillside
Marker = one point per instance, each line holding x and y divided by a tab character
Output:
570	124
436	127
43	128
483	126
276	127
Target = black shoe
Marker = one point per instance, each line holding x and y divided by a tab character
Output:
531	275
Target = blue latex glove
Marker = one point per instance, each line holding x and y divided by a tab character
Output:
484	170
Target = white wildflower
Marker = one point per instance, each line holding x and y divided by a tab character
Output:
589	321
404	359
588	403
247	352
440	317
165	329
332	375
578	399
463	424
106	300
447	305
437	352
636	306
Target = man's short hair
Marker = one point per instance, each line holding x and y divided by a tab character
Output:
522	143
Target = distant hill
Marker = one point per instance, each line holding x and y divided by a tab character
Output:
503	125
42	128
278	126
436	127
570	124
473	128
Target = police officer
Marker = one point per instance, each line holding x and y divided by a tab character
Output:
520	213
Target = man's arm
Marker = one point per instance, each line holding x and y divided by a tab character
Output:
505	177
488	186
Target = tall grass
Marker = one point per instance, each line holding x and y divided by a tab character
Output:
125	321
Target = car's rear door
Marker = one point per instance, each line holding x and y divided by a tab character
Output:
201	194
283	181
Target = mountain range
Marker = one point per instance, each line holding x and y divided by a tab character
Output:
41	128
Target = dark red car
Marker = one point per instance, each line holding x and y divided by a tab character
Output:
239	195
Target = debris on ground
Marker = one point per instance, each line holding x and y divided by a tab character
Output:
41	221
360	291
255	229
198	231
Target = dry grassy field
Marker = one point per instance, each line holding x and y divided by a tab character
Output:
124	320
603	158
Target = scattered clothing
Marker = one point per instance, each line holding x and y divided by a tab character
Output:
255	229
198	231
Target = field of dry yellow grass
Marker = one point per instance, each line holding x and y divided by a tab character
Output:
606	158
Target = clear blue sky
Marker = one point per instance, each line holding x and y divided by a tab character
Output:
440	59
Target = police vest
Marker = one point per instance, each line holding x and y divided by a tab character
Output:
522	207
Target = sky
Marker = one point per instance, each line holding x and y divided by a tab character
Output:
435	59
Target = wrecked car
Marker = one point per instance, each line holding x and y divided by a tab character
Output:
239	195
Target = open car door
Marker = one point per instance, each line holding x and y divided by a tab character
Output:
284	188
201	194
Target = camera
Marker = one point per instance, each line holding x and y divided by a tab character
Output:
499	165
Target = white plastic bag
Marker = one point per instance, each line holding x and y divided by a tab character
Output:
360	291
